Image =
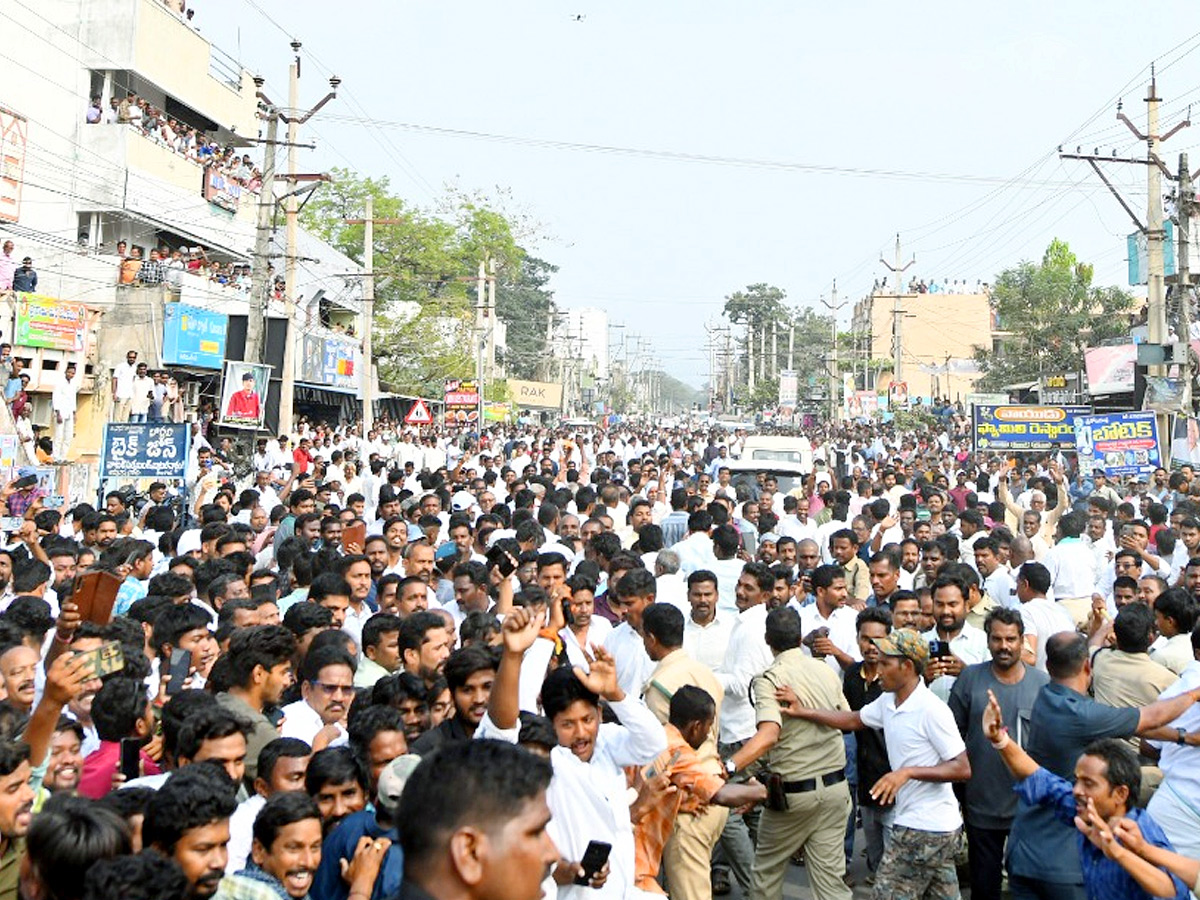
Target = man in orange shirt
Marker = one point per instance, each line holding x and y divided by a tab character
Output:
691	787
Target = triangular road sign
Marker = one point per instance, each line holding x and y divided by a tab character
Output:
419	414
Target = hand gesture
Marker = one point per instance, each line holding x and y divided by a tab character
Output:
885	789
789	703
353	548
28	533
68	621
361	871
651	793
1130	835
993	720
1096	830
601	677
520	630
66	678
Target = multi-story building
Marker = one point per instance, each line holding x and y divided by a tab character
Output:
939	334
85	187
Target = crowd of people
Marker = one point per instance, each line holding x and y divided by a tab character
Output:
179	137
165	265
601	665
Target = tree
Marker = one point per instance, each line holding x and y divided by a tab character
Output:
426	268
1052	313
525	304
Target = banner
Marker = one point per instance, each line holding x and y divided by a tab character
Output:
49	323
329	361
1118	444
543	394
242	394
497	412
145	450
220	190
789	388
1005	428
462	402
898	395
193	336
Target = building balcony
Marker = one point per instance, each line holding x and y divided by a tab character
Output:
153	182
151	40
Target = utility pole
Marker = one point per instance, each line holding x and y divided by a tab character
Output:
792	345
293	120
259	277
1185	201
1153	229
833	306
897	270
367	316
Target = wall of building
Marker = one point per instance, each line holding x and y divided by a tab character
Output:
936	327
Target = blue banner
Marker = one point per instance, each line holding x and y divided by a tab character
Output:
1118	444
193	336
1024	428
329	361
145	450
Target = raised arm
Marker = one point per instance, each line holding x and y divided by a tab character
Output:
1019	762
1150	878
519	632
1160	712
789	705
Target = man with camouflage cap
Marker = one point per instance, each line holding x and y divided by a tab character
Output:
926	754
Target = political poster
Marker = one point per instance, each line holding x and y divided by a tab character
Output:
49	323
462	402
243	394
1024	428
1118	444
145	450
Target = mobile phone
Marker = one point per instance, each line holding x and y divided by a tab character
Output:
181	667
568	616
131	758
274	715
106	659
26	482
594	858
54	501
939	648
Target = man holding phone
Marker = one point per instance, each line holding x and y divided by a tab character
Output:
954	643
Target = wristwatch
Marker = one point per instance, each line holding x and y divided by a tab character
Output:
731	768
1180	736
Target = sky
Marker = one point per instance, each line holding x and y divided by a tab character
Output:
674	152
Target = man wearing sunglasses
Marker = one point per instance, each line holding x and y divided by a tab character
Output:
326	690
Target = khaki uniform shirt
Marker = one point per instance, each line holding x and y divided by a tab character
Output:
1128	679
672	672
805	749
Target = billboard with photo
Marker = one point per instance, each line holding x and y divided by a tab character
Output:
243	394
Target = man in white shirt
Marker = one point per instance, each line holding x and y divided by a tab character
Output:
926	754
587	796
62	403
828	625
706	630
746	657
635	591
696	550
326	689
958	643
122	386
795	522
1043	618
997	582
1071	565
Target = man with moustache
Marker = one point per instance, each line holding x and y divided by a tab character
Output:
989	803
187	820
16	812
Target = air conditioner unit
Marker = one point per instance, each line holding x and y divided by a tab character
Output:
190	391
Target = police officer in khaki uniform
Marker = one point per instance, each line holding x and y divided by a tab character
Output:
813	799
687	855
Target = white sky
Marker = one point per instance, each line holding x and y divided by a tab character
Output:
983	94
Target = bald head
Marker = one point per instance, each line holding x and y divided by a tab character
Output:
1020	551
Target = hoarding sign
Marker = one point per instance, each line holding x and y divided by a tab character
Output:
243	393
462	402
49	323
194	336
541	394
329	361
145	450
1118	444
1024	428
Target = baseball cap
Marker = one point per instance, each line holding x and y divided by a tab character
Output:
26	471
462	501
904	642
393	778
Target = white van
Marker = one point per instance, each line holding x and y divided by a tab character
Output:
770	448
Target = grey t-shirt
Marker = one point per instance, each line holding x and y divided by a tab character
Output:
989	801
1062	725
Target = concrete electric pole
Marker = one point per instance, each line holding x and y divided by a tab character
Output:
897	312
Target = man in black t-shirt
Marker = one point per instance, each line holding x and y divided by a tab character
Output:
861	685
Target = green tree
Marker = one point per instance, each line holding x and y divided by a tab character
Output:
525	303
1052	313
426	266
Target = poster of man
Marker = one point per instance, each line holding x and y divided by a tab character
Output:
243	394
